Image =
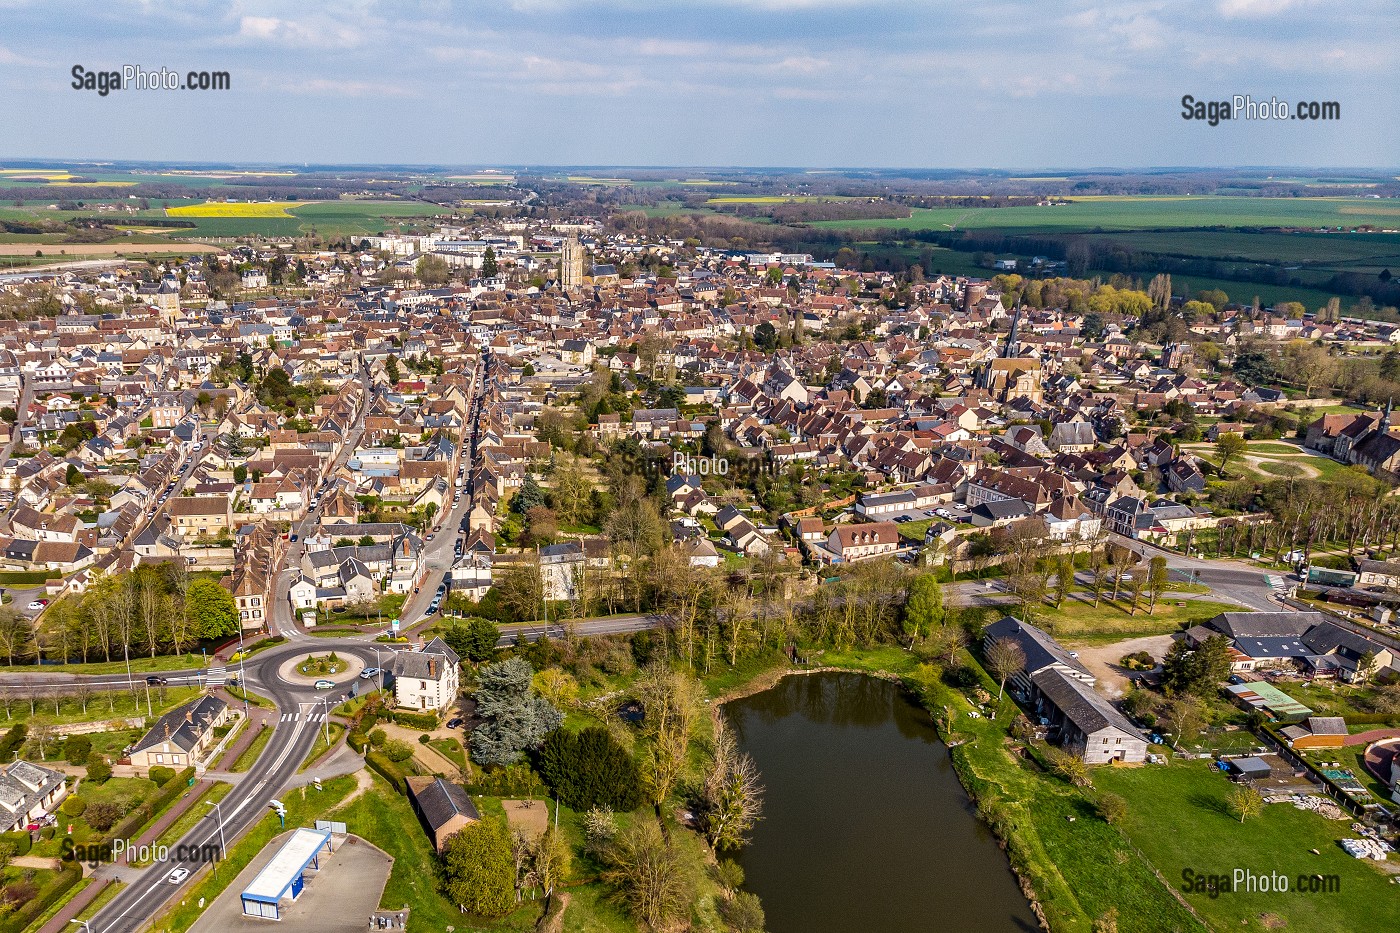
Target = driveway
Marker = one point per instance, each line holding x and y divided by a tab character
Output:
1102	660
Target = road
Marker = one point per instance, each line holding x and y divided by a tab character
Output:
1233	580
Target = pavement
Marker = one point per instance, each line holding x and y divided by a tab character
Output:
339	898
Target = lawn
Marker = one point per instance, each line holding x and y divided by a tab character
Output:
111	704
160	663
452	749
1079	866
321	747
304	806
1205	838
1080	621
251	753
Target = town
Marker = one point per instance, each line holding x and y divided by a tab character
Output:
405	537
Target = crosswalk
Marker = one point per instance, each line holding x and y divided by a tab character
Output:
216	676
298	717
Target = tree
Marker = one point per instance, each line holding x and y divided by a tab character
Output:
1197	672
1228	446
489	267
654	878
478	870
731	793
16	634
551	856
1184	717
923	610
1004	658
391	369
1245	801
474	639
514	718
671	702
1064	579
432	270
589	769
102	815
1158	577
520	589
1068	767
212	611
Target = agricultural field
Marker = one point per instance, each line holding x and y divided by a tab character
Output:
234	209
1110	212
779	199
294	218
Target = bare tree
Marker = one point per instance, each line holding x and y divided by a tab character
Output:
733	796
1005	658
671	701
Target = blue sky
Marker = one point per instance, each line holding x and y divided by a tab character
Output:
928	83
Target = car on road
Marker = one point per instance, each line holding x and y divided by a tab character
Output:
430	535
369	672
325	684
454	722
178	875
155	681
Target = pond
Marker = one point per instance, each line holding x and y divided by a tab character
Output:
865	826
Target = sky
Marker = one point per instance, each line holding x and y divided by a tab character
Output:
801	83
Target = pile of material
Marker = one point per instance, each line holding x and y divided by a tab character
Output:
1366	848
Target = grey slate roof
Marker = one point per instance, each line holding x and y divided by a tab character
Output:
442	800
1080	704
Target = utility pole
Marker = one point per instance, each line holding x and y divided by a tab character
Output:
219	810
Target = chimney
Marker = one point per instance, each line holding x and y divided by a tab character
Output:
189	715
432	667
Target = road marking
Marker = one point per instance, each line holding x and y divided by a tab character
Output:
216	677
289	717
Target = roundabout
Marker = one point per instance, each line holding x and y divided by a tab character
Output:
304	669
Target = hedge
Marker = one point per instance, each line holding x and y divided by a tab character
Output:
357	741
422	721
20	839
1364	719
137	818
391	772
69	875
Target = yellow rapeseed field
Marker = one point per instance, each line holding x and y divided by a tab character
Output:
238	209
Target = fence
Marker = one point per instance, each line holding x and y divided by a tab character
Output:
1333	790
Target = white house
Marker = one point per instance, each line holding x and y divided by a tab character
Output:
426	679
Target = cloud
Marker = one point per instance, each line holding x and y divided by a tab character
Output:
319	33
1254	9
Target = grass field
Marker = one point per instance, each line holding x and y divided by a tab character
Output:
776	199
1084	623
1205	838
1111	212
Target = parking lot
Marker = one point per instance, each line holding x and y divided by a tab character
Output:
337	899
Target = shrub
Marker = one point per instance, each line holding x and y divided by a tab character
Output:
13	740
74	805
102	815
377	738
424	739
743	912
1112	807
161	775
397	751
357	741
77	749
99	771
589	768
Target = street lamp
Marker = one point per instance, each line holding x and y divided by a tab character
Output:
326	720
86	928
219	810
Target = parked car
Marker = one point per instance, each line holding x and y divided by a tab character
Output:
325	684
454	722
178	875
294	537
369	672
35	606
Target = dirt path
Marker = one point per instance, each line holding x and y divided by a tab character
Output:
428	756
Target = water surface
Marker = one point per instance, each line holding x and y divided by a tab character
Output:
866	828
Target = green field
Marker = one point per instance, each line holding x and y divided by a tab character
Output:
1206	838
1146	213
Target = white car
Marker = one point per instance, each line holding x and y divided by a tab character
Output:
35	606
178	875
